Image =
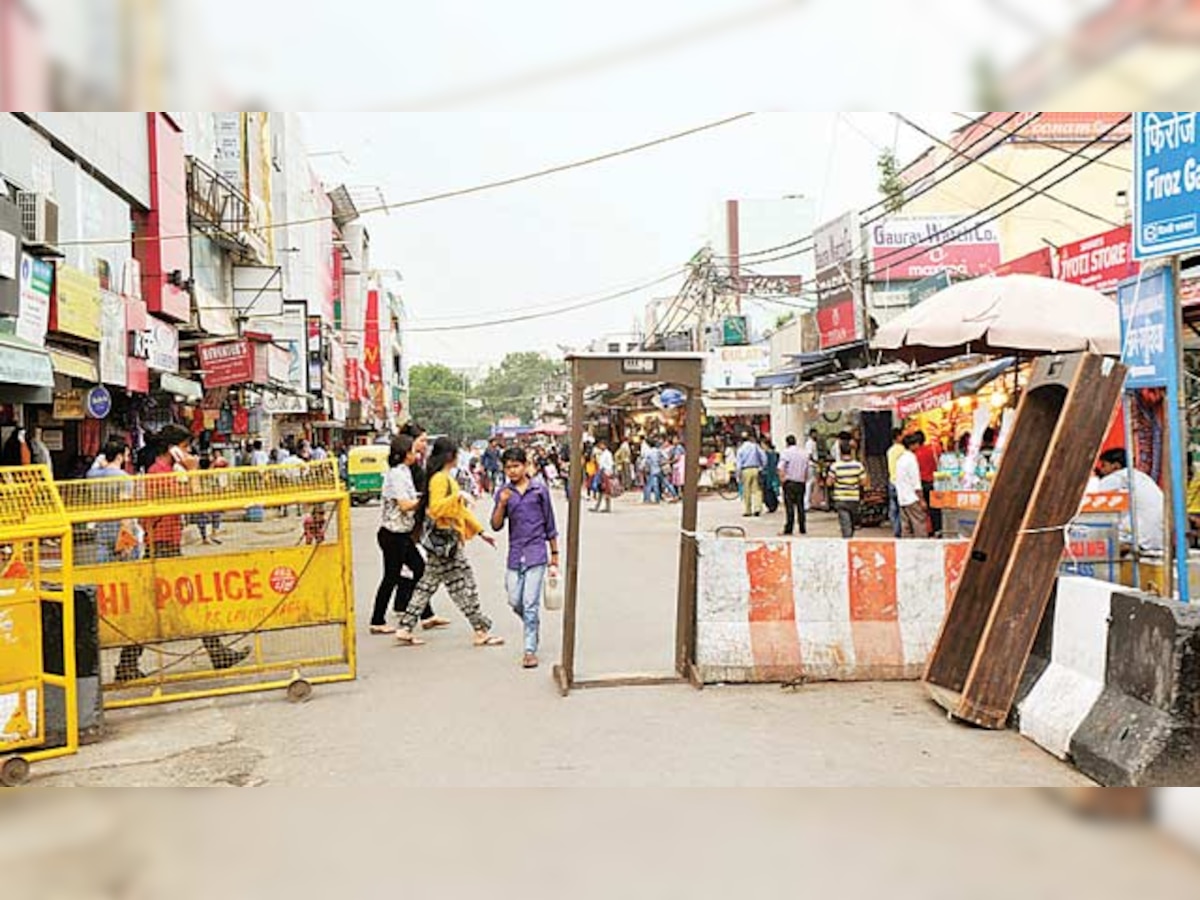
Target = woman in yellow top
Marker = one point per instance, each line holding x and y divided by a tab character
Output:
449	524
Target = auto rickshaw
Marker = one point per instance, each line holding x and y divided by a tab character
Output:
364	470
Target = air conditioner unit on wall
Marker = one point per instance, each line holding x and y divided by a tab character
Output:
39	218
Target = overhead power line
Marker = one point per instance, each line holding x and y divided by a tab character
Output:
1004	175
1040	142
562	310
938	181
957	227
459	192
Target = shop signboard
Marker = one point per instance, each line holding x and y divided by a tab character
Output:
1039	262
839	318
289	335
36	285
735	331
69	405
1166	184
927	287
162	343
227	363
114	343
908	248
98	402
76	309
839	288
274	404
315	350
736	367
926	401
1100	262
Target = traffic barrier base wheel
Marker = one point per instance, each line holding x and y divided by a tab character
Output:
299	691
14	772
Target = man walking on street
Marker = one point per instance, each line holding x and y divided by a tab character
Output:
794	471
893	456
606	473
750	462
812	449
913	523
624	461
526	505
928	462
847	478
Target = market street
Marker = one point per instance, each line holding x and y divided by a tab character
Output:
453	715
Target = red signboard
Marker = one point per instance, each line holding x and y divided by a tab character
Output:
164	255
226	364
926	401
371	347
909	248
837	324
1100	262
1039	262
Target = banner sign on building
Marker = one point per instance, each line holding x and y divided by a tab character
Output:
839	287
1101	262
1166	184
927	287
114	340
907	248
162	342
77	304
1039	262
371	354
36	286
226	364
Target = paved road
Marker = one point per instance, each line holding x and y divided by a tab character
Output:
452	714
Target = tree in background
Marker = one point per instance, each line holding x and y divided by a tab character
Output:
512	388
891	185
440	399
446	402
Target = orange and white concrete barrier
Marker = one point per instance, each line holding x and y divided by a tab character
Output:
821	609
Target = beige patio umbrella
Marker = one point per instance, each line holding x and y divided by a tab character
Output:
1015	315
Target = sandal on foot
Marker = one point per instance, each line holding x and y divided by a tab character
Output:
530	661
382	629
408	639
488	640
435	622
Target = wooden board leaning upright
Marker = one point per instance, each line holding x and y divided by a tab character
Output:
991	625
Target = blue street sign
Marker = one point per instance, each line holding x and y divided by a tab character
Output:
1150	350
1166	184
1148	340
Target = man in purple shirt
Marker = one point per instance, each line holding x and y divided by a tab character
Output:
526	505
794	466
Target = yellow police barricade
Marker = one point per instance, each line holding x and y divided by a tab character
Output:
215	582
35	588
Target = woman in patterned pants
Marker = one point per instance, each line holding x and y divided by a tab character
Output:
447	511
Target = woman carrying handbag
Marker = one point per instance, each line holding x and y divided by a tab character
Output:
449	525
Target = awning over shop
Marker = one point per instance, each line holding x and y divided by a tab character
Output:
74	365
182	387
942	389
741	403
25	372
920	392
878	398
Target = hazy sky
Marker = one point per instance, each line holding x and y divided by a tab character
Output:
653	68
571	235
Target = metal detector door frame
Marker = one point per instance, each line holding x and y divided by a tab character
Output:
683	370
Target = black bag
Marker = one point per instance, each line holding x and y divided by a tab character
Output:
440	542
